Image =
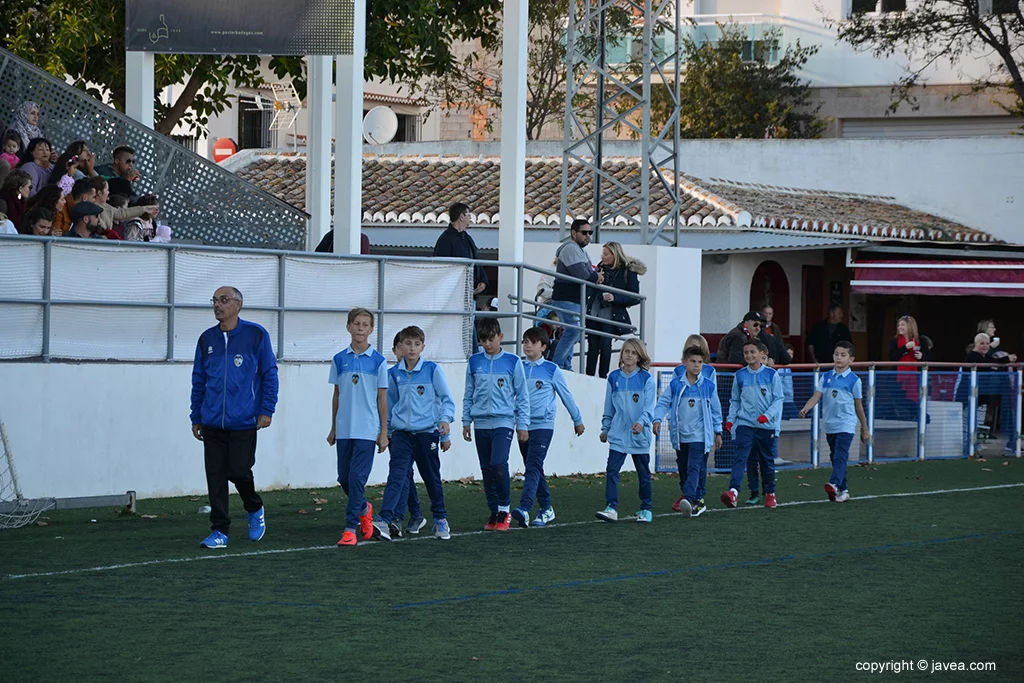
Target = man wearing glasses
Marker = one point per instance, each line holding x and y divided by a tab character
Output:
234	393
121	173
572	260
730	349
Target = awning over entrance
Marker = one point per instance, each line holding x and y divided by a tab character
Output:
940	278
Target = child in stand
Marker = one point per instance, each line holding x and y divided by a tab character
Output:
544	380
420	411
495	400
411	500
756	410
359	417
840	393
626	427
695	425
12	145
708	371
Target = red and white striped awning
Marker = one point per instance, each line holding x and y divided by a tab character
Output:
940	278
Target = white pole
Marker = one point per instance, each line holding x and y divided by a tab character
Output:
922	418
513	147
1019	394
871	413
816	424
972	414
318	148
348	157
139	81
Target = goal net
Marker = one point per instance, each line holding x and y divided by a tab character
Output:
16	510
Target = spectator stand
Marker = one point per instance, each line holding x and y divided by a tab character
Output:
931	413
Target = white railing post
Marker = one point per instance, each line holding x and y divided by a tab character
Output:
922	417
1019	394
871	413
972	414
816	424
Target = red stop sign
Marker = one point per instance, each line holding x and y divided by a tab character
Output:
223	148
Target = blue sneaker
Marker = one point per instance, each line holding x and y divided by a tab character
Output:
214	540
644	517
522	517
442	530
544	517
257	525
414	525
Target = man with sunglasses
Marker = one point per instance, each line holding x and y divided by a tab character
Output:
730	349
234	393
120	173
573	261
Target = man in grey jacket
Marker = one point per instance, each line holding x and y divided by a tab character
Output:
574	262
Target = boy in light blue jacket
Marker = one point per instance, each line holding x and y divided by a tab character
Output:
626	427
495	400
544	381
756	410
695	425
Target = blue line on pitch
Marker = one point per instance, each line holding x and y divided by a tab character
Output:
691	570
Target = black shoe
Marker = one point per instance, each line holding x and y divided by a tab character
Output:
395	529
698	509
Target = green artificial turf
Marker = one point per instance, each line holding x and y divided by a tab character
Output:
803	592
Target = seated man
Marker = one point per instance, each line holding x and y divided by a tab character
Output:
121	173
85	221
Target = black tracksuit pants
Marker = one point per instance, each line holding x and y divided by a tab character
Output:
230	456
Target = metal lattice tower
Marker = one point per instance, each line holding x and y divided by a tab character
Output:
621	99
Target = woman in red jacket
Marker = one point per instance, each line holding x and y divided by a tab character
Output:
906	347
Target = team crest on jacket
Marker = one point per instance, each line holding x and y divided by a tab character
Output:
539	384
834	393
501	382
209	349
636	398
764	391
419	390
238	361
691	403
355	379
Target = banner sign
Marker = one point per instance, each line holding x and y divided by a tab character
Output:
240	27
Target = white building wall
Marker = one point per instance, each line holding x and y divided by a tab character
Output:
125	426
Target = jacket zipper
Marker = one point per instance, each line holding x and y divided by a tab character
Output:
224	406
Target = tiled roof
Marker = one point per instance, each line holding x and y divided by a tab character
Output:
417	191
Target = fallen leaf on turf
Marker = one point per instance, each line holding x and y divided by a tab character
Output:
1005	464
982	460
320	501
195	500
474	659
148	516
799	477
804	484
985	469
42	524
317	509
303	511
314	493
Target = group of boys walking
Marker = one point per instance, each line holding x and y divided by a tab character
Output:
409	410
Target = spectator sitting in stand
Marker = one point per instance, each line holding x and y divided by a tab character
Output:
82	190
11	149
36	162
17	187
85	160
25	124
52	198
121	173
6	226
114	213
143	228
85	221
38	222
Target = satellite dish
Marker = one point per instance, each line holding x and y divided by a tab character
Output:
380	125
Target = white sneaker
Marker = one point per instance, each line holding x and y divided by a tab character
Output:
544	517
842	496
609	514
686	508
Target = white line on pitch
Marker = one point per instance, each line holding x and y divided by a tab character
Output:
214	555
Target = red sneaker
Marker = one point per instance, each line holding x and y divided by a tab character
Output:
769	500
831	491
504	521
348	538
675	505
492	523
729	498
366	522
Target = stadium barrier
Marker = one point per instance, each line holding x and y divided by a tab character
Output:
938	410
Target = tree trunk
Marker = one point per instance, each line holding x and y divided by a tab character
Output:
185	99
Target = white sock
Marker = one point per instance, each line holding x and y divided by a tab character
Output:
503	508
735	492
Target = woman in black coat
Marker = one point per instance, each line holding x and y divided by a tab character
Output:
620	272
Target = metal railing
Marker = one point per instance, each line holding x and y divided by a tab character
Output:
935	411
379	281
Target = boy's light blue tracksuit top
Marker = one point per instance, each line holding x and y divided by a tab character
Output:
358	377
838	411
707	371
419	399
495	392
629	398
755	394
694	411
544	379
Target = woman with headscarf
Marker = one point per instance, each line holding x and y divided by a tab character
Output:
26	123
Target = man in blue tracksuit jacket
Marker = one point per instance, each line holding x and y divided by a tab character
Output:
234	393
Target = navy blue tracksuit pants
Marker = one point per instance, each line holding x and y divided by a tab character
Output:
534	451
764	443
355	459
839	447
692	462
492	447
642	462
423	449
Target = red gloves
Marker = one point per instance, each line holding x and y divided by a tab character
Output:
728	426
763	419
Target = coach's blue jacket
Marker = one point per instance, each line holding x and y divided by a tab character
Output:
234	380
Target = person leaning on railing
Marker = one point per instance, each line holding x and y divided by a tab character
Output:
994	390
574	262
622	272
111	214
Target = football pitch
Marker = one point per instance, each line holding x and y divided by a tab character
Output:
922	565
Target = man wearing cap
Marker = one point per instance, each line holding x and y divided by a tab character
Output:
730	349
85	221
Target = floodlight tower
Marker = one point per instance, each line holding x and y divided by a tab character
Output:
602	97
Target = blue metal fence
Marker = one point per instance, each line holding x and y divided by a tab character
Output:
936	411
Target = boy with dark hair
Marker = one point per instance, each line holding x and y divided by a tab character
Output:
695	424
840	393
420	412
496	399
544	380
412	499
756	409
359	416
